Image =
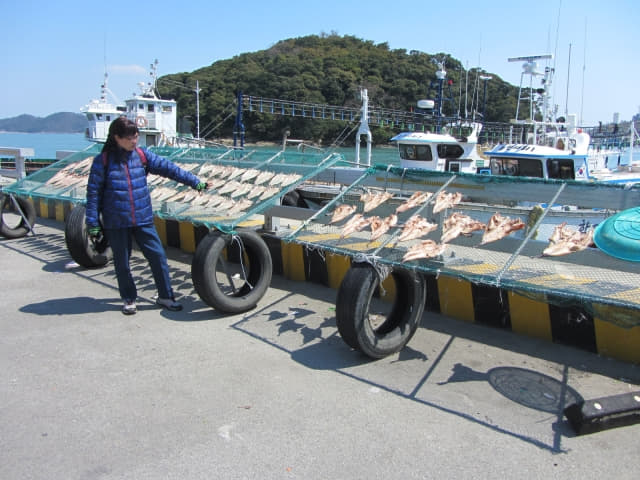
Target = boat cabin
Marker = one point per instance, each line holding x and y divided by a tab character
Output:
155	118
516	162
440	151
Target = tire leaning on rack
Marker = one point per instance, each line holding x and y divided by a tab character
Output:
8	207
81	248
399	325
231	273
294	199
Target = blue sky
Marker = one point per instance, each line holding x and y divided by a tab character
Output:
53	56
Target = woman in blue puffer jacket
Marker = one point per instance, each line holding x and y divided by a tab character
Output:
117	193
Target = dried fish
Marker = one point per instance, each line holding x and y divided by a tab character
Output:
355	224
162	193
256	191
189	196
236	172
241	190
425	249
499	227
263	177
416	227
459	224
342	212
373	200
177	197
564	240
229	187
214	200
215	182
269	192
249	174
418	198
446	200
240	206
380	226
225	205
200	199
276	179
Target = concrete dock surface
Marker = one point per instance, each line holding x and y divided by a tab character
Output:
274	393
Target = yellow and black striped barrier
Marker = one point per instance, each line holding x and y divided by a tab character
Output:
529	315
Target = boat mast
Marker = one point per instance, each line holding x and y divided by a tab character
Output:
441	75
530	67
363	129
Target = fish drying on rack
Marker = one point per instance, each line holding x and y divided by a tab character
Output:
459	224
446	200
380	226
342	212
355	224
415	200
499	227
416	227
373	200
424	249
565	240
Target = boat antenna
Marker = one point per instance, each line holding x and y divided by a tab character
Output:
460	89
555	52
566	102
153	90
584	67
466	91
476	87
530	67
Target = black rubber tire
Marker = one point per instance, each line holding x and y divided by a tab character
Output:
80	247
7	207
400	324
216	255
294	199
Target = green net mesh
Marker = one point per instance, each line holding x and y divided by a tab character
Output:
515	262
589	278
244	182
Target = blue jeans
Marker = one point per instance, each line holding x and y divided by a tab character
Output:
120	240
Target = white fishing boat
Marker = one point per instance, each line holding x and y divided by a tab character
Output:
553	148
620	165
155	117
101	112
450	148
454	149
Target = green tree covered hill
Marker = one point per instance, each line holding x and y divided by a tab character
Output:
326	69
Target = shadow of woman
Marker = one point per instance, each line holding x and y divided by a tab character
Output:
72	306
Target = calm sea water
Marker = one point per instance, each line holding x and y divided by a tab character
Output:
46	145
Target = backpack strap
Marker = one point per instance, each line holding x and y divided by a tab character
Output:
143	158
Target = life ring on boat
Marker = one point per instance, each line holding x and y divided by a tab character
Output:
141	121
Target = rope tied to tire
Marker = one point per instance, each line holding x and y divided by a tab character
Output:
236	238
321	253
382	270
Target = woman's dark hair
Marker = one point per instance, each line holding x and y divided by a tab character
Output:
121	126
